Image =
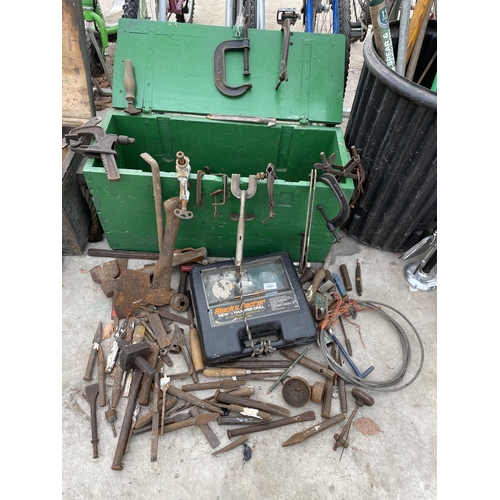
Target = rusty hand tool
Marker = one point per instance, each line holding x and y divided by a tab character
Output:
101	377
359	284
308	363
91	392
221	384
113	354
306	276
319	276
232	446
155	419
146	418
361	398
185	352
183	169
178	393
270	122
304	244
340	381
129	85
326	405
345	277
145	391
111	417
127	421
209	434
136	336
179	417
195	343
103	148
238	372
133	289
303	417
166	314
224	397
180	301
93	353
200	419
162	274
285	17
220	64
270	178
157	195
229	420
347	341
312	431
135	356
257	364
135	416
242	195
285	373
159	331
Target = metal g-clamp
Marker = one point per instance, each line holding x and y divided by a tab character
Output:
220	64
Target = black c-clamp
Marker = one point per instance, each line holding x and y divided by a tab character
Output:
329	179
220	64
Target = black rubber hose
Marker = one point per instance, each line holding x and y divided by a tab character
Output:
388	385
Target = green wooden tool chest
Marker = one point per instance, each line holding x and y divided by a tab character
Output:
173	67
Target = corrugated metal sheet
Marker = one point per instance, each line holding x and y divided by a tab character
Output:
393	125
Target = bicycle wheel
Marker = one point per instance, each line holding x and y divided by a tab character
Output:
245	8
187	14
140	9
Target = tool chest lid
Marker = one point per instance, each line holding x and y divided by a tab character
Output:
173	66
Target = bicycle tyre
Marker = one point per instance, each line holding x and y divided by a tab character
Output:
187	14
96	69
323	23
251	12
131	9
365	11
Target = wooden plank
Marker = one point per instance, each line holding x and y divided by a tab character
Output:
77	96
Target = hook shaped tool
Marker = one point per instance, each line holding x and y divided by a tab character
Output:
220	64
350	361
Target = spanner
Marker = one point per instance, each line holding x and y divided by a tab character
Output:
287	18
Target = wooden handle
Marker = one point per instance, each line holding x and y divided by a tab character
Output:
318	278
129	81
196	352
224	372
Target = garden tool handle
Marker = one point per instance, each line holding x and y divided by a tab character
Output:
129	81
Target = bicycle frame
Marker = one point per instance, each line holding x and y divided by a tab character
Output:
310	17
92	14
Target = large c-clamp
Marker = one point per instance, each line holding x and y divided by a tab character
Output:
220	64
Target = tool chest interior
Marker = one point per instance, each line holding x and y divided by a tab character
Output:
175	90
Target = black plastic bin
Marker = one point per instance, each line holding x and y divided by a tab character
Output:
393	124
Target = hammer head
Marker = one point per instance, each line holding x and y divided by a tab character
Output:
129	353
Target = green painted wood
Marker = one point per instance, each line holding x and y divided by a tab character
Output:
173	68
126	208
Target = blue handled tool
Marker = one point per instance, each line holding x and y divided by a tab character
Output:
349	360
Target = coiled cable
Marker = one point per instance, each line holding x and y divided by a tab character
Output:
388	385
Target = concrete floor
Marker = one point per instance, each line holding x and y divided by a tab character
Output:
392	449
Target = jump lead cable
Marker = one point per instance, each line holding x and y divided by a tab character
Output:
387	386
